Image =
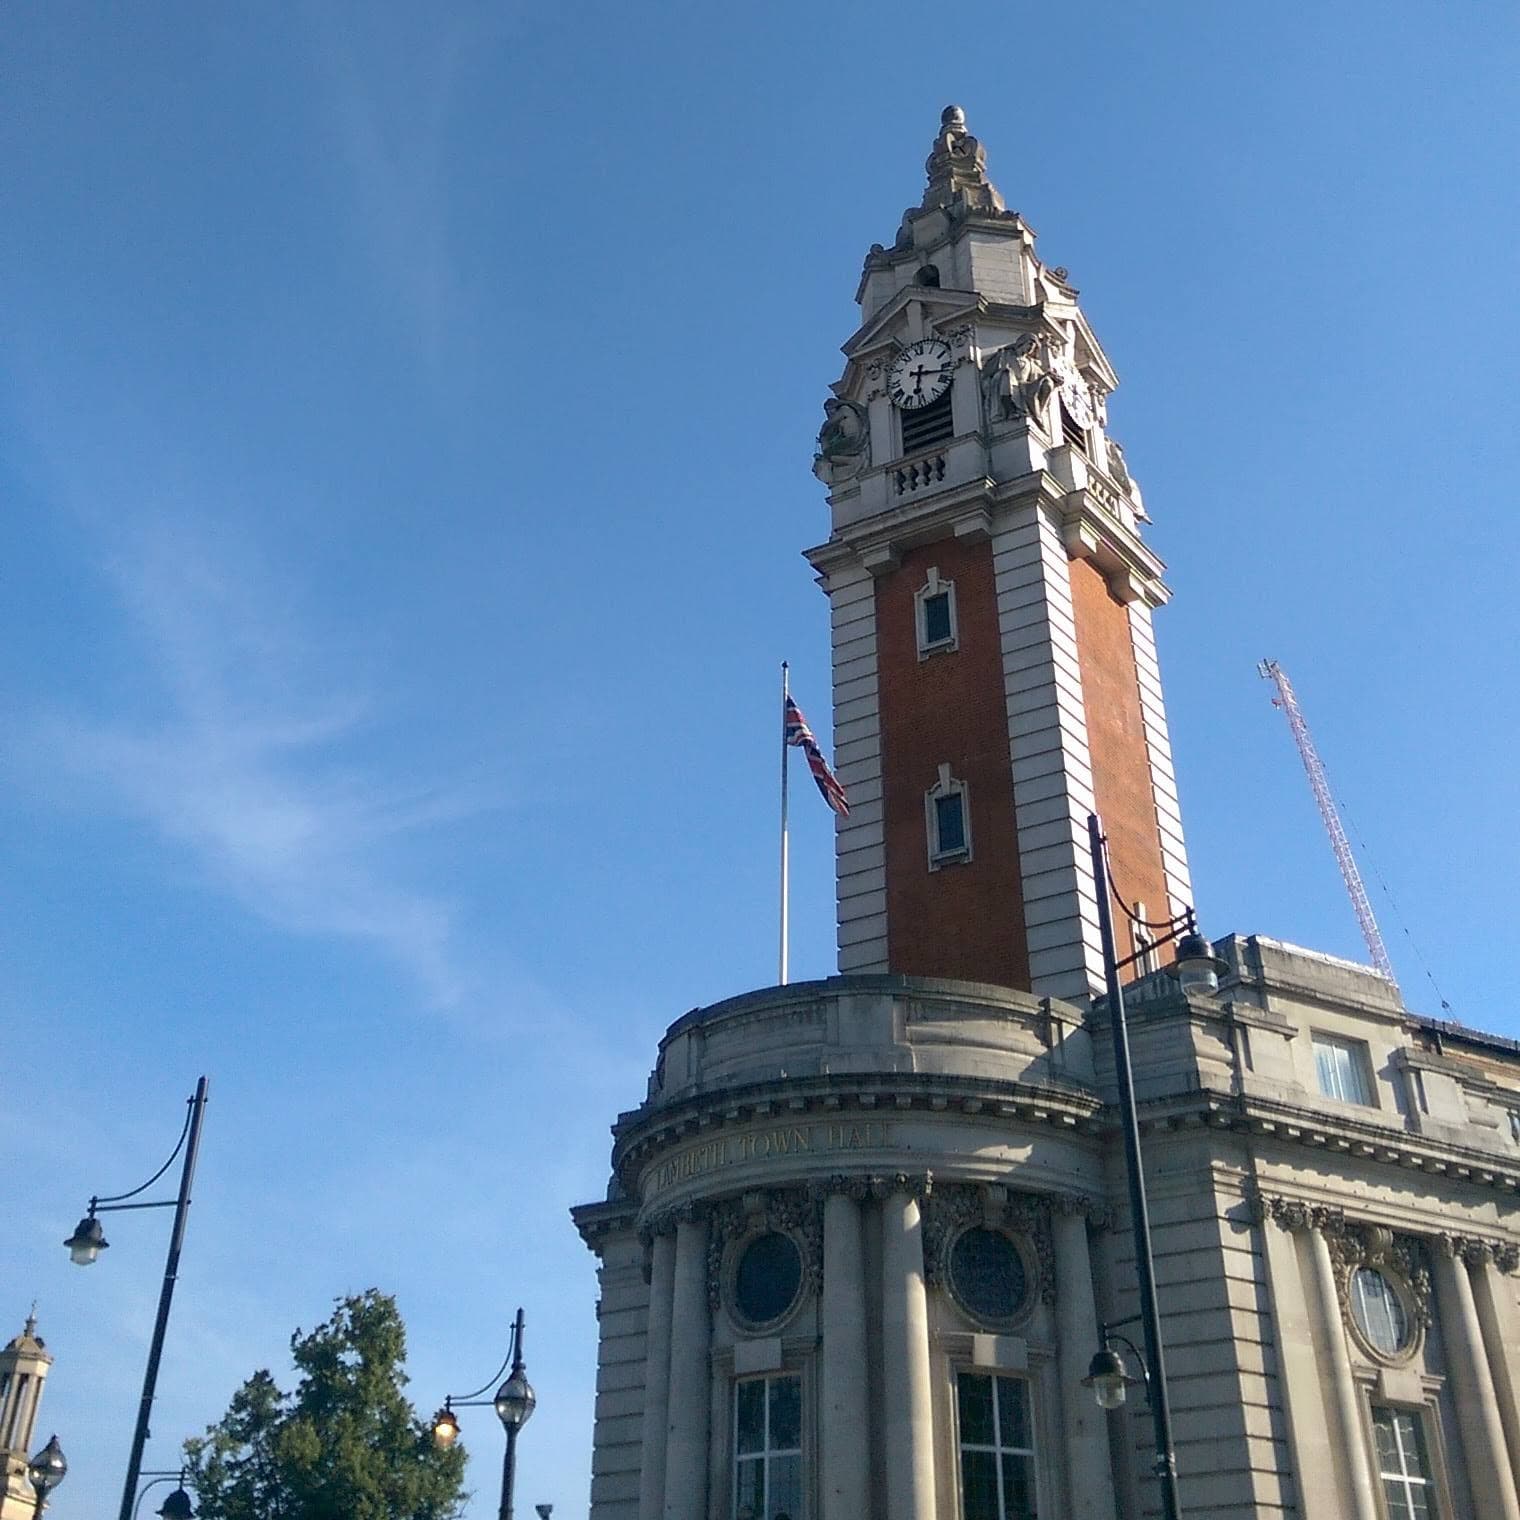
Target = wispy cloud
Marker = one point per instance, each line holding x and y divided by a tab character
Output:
249	762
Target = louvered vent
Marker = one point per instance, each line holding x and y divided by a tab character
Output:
927	426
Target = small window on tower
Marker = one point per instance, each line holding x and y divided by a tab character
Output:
929	276
948	821
1072	431
928	425
934	615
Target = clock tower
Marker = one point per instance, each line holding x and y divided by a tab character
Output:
995	673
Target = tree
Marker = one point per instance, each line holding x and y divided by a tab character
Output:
346	1445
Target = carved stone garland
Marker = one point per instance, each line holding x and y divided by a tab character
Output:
795	1212
959	1206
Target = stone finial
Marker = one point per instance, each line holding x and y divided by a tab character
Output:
957	167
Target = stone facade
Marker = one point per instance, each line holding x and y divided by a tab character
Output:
862	1234
24	1366
874	1120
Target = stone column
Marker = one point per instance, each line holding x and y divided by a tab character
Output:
690	1357
1496	1317
908	1434
1304	1398
1092	1483
1326	1309
1493	1483
844	1460
657	1378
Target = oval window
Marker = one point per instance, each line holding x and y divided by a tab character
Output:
767	1279
987	1274
1379	1312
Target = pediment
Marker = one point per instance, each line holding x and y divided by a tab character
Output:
938	304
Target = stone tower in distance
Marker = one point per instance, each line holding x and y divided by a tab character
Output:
995	674
24	1365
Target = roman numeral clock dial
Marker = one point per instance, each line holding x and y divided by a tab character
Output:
920	374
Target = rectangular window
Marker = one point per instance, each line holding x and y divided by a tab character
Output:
1514	1124
1342	1068
937	626
1404	1464
950	824
997	1448
768	1449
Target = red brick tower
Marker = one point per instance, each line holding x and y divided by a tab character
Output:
995	675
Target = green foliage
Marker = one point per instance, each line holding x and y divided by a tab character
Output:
346	1445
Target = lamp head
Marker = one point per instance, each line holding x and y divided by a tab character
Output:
515	1401
48	1468
87	1241
445	1428
177	1506
1198	968
1107	1379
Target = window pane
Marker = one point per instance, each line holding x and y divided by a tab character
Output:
1382	1426
1398	1501
1013	1414
749	1489
784	1500
786	1413
951	823
976	1409
937	618
1324	1064
1018	1488
750	1416
979	1495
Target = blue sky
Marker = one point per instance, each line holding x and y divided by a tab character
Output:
405	424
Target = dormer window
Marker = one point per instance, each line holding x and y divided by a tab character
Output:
928	425
934	615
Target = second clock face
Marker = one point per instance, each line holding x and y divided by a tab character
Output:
920	374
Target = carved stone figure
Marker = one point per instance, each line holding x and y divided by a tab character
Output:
1116	465
844	441
1019	378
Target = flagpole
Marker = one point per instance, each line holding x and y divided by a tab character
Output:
785	849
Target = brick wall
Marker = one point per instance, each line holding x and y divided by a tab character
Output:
963	920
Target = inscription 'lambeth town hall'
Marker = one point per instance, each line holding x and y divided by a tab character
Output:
769	1144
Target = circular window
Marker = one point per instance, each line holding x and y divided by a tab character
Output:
987	1274
767	1278
1379	1312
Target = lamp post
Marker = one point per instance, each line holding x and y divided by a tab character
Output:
514	1402
46	1471
88	1241
1197	970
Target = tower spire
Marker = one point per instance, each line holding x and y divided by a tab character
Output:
957	168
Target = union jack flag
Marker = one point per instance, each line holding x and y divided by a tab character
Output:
795	728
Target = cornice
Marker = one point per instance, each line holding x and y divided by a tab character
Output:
644	1132
1339	1134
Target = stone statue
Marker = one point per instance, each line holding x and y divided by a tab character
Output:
1116	465
1019	378
844	441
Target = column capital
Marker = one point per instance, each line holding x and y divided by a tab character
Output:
1478	1251
917	1185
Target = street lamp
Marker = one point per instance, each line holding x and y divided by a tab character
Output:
514	1402
1197	970
1107	1375
88	1241
46	1471
177	1506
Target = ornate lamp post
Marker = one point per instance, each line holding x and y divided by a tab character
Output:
46	1471
88	1241
177	1506
514	1402
1197	970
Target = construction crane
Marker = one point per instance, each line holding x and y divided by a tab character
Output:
1270	670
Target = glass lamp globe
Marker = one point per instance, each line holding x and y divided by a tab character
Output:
48	1468
1106	1378
87	1241
515	1401
1197	966
445	1429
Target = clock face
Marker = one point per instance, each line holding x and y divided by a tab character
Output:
920	374
1076	399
